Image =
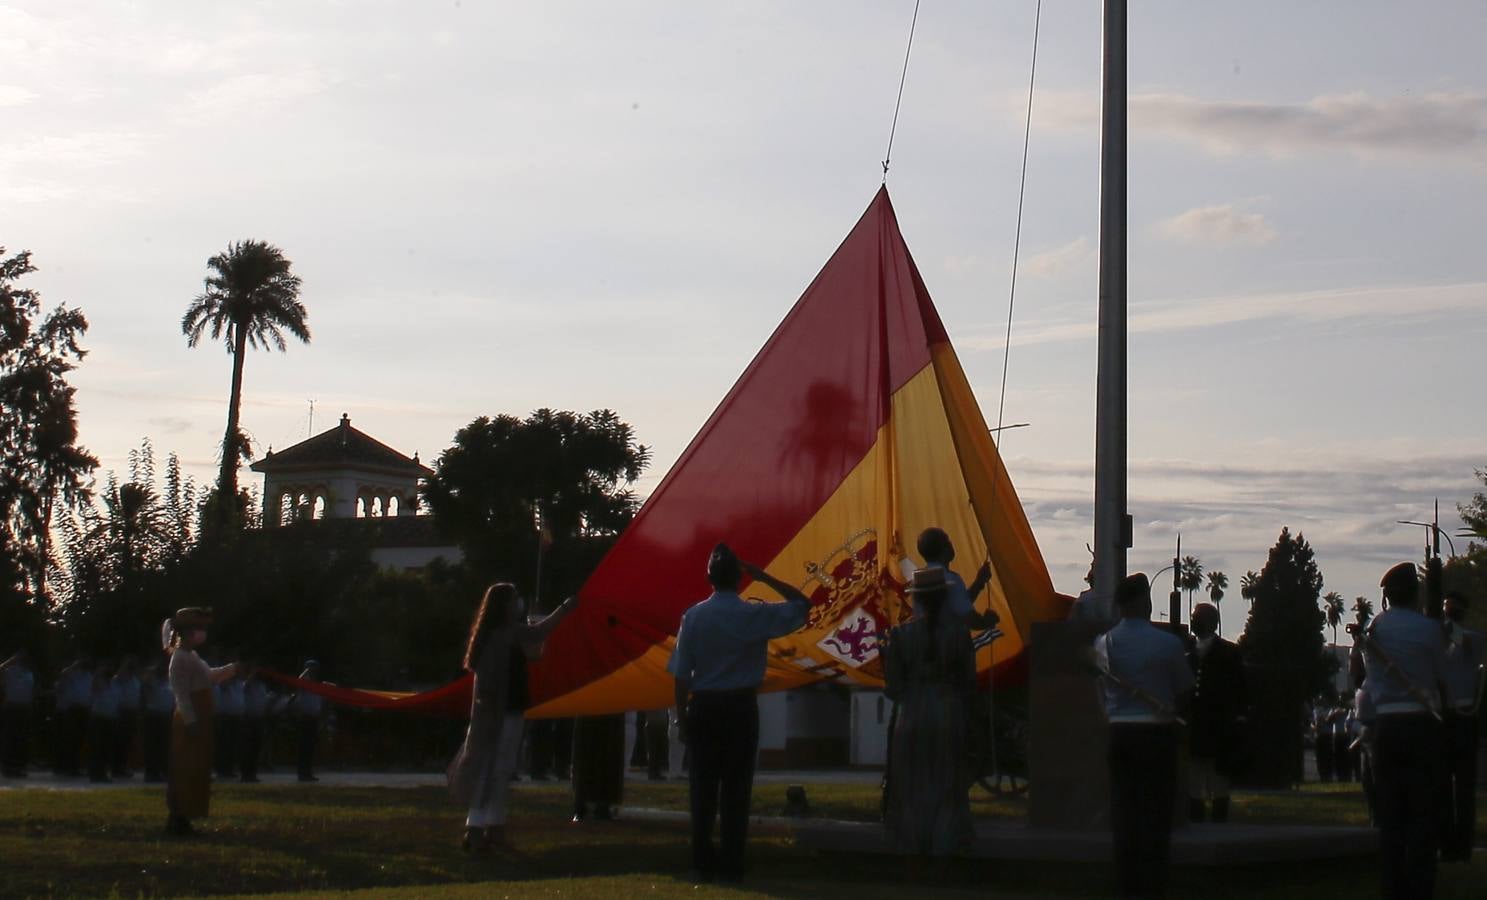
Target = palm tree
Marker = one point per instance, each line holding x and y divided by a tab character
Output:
1362	610
251	300
1248	585
1190	578
1218	583
1332	604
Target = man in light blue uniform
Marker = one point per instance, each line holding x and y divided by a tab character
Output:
1148	679
1466	651
1404	654
19	684
126	682
718	664
938	552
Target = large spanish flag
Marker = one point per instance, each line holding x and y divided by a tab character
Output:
850	432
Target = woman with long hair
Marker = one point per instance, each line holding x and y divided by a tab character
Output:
188	790
500	646
930	671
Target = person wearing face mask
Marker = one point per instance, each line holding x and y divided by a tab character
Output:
188	789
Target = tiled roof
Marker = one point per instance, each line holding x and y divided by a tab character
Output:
342	447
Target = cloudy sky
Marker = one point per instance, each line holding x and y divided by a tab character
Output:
500	206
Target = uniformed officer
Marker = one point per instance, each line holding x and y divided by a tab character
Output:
1214	728
1466	651
1404	654
719	663
103	723
126	683
227	719
159	704
939	552
19	684
74	697
1148	678
250	730
307	708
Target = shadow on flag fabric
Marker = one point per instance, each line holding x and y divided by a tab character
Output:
852	430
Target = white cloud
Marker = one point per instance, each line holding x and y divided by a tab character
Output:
256	92
1440	124
1057	260
1217	225
1375	304
15	95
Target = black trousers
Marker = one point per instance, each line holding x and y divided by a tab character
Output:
307	730
540	748
1407	770
69	727
225	746
156	739
100	746
250	746
15	751
124	741
1342	759
1459	788
723	731
1143	788
657	746
562	748
1326	760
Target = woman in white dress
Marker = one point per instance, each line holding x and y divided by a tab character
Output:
188	789
501	644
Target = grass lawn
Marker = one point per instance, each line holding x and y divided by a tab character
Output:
401	843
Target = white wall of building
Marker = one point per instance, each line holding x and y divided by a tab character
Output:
871	711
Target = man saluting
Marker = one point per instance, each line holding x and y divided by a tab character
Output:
719	664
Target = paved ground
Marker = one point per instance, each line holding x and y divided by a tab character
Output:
40	780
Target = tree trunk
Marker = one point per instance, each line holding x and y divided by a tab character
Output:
227	477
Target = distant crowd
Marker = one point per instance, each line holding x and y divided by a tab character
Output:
107	720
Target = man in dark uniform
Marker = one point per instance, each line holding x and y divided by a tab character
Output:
18	684
1466	651
718	664
1214	726
1147	678
1404	653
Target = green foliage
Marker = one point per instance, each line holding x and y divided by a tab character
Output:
1333	606
251	300
41	464
1474	511
1467	573
508	485
1284	629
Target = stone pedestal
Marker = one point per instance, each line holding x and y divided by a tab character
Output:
1067	744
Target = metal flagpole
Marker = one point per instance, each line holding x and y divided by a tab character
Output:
1112	524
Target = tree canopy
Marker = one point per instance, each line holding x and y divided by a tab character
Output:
41	462
1284	628
251	299
556	480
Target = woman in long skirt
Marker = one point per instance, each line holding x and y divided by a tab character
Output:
500	646
930	673
188	790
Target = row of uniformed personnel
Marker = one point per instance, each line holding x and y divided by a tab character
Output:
1420	689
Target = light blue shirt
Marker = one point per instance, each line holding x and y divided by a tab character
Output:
1146	657
1466	650
957	596
74	690
1416	645
20	686
128	687
159	698
723	641
230	697
105	700
255	699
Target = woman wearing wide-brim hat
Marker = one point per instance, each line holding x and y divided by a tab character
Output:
188	789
